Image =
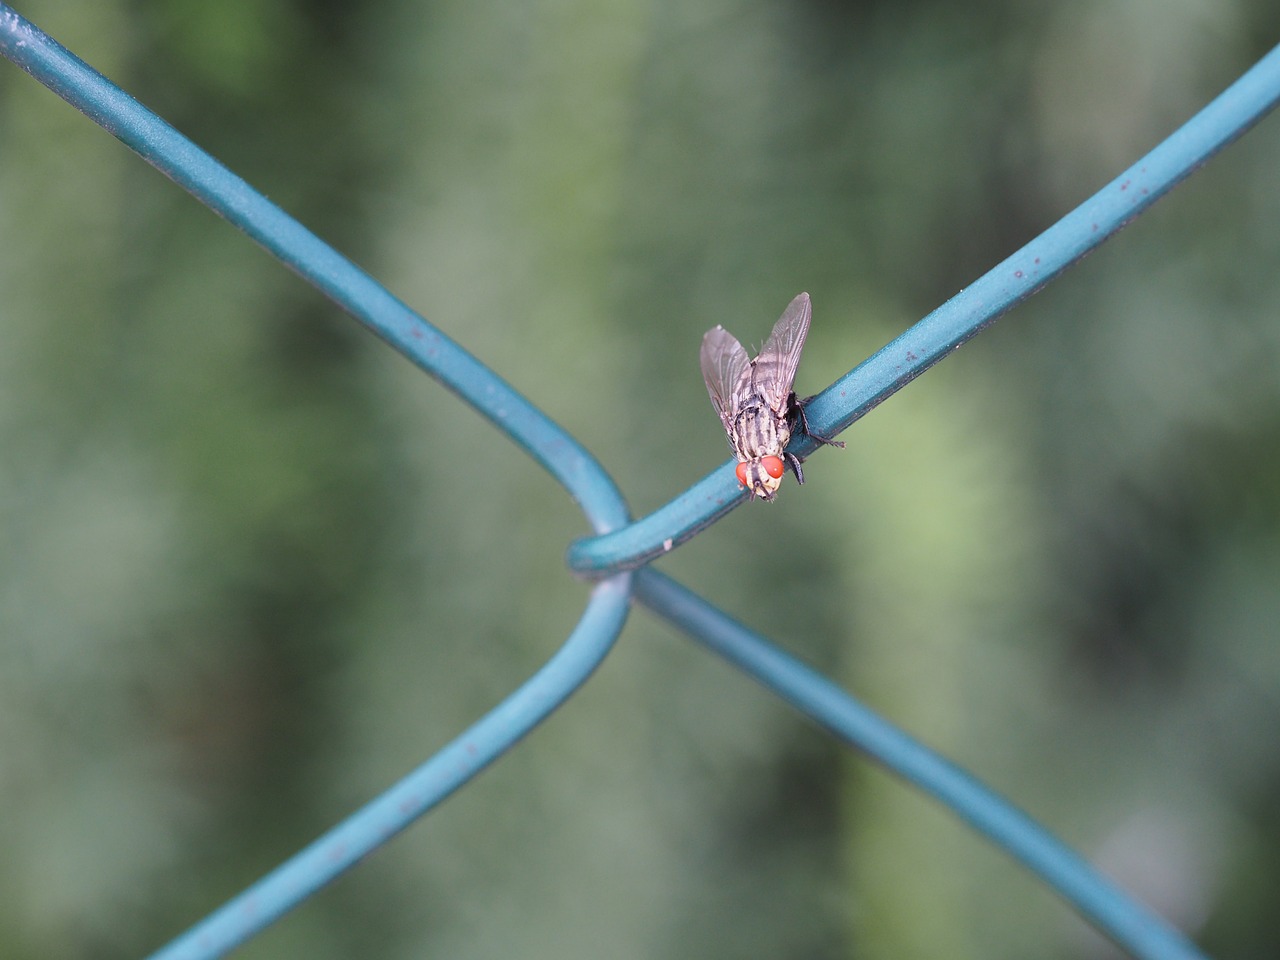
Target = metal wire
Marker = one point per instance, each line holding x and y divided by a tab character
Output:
1008	283
1140	931
619	547
390	812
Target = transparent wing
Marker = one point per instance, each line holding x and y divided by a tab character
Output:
724	366
775	369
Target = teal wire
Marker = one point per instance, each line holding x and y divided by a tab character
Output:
337	277
1131	926
873	381
420	791
605	614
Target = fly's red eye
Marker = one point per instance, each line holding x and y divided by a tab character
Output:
773	466
741	473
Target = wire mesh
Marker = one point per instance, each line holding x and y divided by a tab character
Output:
619	546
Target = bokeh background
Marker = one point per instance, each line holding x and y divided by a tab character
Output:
255	566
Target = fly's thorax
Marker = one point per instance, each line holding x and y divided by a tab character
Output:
759	431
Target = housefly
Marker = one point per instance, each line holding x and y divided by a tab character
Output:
755	401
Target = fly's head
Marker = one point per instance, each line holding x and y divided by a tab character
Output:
762	476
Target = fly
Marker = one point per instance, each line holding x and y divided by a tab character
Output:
755	401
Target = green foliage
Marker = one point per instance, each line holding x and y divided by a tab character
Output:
257	566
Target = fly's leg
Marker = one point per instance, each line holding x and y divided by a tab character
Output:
800	423
794	463
795	414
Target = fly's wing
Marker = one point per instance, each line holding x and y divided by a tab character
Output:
775	369
724	366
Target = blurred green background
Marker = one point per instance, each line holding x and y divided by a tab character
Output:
256	566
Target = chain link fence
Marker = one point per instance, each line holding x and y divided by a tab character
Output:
619	553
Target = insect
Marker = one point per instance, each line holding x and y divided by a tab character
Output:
755	401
